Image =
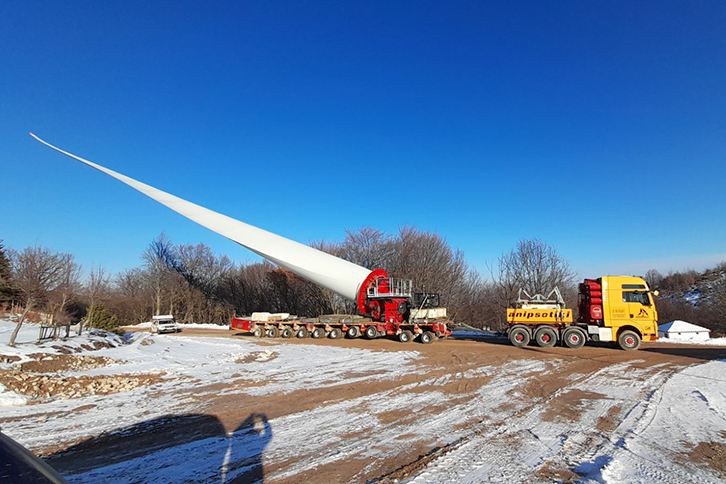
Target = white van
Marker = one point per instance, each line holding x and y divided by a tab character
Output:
164	324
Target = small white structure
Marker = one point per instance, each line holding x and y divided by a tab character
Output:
681	330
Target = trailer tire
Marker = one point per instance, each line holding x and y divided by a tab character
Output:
335	333
257	332
574	338
302	333
273	332
519	336
546	337
427	337
353	332
371	332
405	336
286	332
629	340
317	333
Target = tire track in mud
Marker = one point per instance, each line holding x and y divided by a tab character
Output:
471	447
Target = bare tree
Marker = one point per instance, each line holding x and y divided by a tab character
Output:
97	287
36	272
158	258
653	278
534	266
69	287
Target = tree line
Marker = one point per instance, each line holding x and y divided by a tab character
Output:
197	285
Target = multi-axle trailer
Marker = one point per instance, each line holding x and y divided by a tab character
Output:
336	327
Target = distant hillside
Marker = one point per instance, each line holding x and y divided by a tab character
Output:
696	297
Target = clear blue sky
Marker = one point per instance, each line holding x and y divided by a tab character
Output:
599	127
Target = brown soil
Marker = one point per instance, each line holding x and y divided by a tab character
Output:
9	358
45	363
447	359
43	387
554	473
712	454
610	421
569	406
257	357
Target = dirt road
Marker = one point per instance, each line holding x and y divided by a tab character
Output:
468	409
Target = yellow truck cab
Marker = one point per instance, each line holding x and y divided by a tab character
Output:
627	305
611	308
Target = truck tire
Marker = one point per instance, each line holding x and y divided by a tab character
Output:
257	332
519	336
335	333
405	336
273	332
546	337
371	332
353	332
286	332
317	333
629	340
427	337
302	333
574	338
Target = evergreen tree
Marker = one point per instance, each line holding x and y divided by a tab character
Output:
101	318
6	283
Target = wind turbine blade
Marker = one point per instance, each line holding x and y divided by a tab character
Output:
338	275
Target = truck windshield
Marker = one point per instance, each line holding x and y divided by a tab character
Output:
636	297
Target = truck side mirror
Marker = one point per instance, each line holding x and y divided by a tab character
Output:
656	293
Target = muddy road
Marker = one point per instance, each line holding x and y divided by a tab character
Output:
464	405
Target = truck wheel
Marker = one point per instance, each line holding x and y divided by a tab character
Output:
335	333
545	337
371	332
286	332
302	333
273	332
318	333
519	336
573	338
629	340
257	332
427	337
405	336
353	332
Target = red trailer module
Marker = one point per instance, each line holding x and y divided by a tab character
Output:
337	326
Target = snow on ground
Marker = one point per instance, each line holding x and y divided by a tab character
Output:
189	365
655	419
147	325
498	429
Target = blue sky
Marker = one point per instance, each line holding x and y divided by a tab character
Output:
599	127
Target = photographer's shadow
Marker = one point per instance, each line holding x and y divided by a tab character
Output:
245	446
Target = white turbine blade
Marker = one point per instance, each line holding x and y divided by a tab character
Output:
338	275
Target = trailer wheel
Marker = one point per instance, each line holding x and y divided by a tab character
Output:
519	336
286	332
629	340
427	337
371	332
335	333
302	333
405	336
353	332
257	332
545	337
318	333
573	338
273	332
